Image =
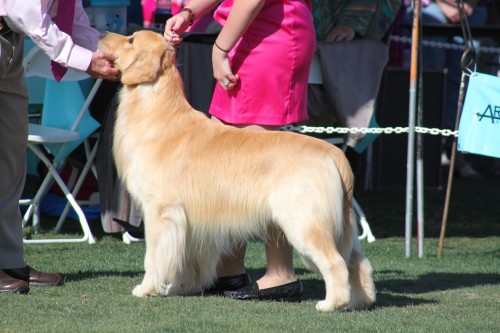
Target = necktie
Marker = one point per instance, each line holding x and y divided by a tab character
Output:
64	21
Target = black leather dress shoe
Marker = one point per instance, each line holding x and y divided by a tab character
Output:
290	292
228	283
34	277
12	285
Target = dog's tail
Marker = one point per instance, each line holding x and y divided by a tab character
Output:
347	180
363	292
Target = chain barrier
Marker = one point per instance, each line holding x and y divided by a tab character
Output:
365	130
443	45
392	130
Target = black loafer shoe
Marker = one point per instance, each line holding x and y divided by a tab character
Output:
228	283
290	292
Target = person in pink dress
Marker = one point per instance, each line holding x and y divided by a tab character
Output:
261	61
148	13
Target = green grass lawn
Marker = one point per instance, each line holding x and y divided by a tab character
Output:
458	293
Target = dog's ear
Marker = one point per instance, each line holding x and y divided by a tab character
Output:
144	69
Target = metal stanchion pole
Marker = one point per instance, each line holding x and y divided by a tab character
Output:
468	60
420	168
410	165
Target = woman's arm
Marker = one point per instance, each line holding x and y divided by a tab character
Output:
241	16
179	23
242	13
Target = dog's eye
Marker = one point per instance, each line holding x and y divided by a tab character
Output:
131	40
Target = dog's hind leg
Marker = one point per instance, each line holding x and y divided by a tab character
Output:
333	268
165	231
317	246
360	278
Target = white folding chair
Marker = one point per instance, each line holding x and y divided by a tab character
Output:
316	77
65	124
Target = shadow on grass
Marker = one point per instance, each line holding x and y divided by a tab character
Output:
386	300
436	282
314	290
399	292
81	276
388	291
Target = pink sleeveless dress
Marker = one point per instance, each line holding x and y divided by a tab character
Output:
272	59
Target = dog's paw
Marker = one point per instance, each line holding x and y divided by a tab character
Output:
362	298
170	289
325	306
141	291
358	306
359	303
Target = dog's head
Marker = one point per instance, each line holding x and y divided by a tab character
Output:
141	56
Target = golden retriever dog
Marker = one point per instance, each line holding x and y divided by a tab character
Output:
203	186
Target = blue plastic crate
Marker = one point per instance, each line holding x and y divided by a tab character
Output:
108	18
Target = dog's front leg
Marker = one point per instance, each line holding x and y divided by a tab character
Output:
148	285
164	263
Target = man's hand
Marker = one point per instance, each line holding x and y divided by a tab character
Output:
102	66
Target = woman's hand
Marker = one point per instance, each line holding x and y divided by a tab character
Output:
340	33
222	69
176	26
